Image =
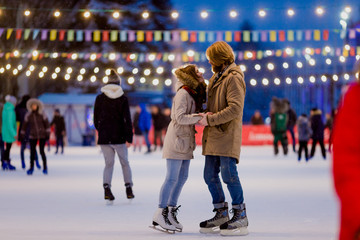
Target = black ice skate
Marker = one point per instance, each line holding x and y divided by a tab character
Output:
129	192
108	194
213	225
161	221
238	224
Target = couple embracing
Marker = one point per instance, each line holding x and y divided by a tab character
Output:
221	142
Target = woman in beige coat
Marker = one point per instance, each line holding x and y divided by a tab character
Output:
179	143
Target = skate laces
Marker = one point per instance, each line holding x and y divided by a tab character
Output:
237	215
218	214
165	215
174	212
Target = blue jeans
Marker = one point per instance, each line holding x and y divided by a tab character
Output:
229	174
291	130
176	176
146	137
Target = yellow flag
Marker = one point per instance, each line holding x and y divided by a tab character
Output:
290	36
228	36
8	33
53	35
140	36
97	36
272	36
184	36
317	35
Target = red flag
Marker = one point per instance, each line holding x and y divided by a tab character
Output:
61	35
149	36
193	37
326	35
318	50
352	51
281	36
105	36
18	34
237	36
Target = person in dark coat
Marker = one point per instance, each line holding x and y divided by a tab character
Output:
158	123
2	149
145	125
304	131
112	120
60	130
329	125
317	127
8	130
21	111
291	123
257	119
38	126
138	137
279	119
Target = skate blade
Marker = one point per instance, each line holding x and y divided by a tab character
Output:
162	230
109	202
213	230
235	232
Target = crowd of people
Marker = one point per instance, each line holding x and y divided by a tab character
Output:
27	123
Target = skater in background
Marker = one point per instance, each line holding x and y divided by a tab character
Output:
221	142
329	125
317	127
37	123
279	119
179	144
145	125
8	130
167	118
158	123
304	132
291	114
21	111
257	119
112	120
346	162
138	137
60	130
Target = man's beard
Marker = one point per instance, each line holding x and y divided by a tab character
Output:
216	69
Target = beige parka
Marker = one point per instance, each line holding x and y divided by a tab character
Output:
222	137
179	142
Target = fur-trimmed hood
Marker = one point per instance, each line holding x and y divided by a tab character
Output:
186	79
112	91
316	112
36	101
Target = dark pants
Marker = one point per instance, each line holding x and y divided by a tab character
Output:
158	135
146	137
303	145
22	150
33	143
60	142
7	152
291	130
321	142
280	136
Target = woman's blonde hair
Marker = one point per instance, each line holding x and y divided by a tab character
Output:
189	69
220	53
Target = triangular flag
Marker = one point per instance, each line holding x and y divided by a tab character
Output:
113	36
219	36
246	36
157	36
149	36
79	36
193	36
290	35
273	36
211	36
131	37
167	36
70	35
1	31
105	36
26	34
53	35
255	36
140	36
44	34
184	36
8	33
202	36
62	35
317	35
97	36
35	33
18	34
228	36
123	36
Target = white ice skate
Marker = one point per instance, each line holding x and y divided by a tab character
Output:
161	221
173	219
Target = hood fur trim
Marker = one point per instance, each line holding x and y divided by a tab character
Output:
112	91
36	101
186	79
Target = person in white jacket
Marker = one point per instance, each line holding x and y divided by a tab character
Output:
179	144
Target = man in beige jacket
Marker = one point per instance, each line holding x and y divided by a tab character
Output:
222	140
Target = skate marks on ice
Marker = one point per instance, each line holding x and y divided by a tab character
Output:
159	228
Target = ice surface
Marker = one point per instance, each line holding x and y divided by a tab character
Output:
285	199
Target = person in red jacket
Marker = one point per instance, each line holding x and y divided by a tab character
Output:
346	162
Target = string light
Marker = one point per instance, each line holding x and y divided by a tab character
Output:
249	55
32	68
288	51
327	49
346	76
116	14
15	71
291	12
87	14
96	70
277	81
300	80
328	61
8	66
93	57
204	14
347	47
135	71
160	70
55	55
41	75
74	56
299	64
112	56
27	13
342	59
57	13
320	11
80	78
344	15
270	66
54	76
312	79
348	9
152	57
93	78
28	73
168	82
2	70
190	53
131	80
233	14
262	13
145	15
265	81
312	62
285	65
171	57
57	70
120	70
108	72
174	14
142	80
335	77
82	71
69	70
105	79
147	72
155	82
323	78
44	69
257	67
202	70
67	77
243	68
20	67
16	53
253	82
288	80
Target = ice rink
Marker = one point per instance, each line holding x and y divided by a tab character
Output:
285	199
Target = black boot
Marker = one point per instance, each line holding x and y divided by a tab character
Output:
213	225
129	192
108	193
